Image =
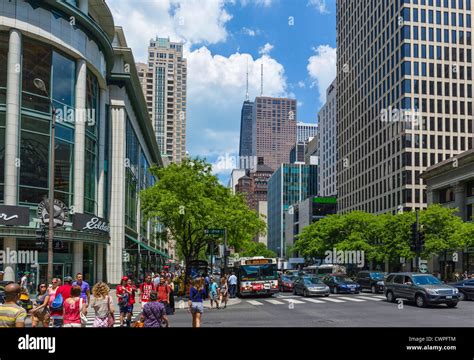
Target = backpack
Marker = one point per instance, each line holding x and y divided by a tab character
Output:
123	302
57	303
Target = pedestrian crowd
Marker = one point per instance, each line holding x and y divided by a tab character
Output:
66	302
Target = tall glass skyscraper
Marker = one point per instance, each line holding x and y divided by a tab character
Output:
245	147
404	97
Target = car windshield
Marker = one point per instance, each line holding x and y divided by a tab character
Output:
377	276
287	278
426	280
312	281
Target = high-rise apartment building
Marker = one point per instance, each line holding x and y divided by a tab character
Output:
327	142
305	131
404	97
273	130
164	84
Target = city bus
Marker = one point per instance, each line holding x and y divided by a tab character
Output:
256	276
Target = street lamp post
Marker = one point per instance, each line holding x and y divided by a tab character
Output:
39	84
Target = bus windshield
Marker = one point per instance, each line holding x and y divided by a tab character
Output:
259	272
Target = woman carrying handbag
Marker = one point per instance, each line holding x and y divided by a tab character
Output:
102	305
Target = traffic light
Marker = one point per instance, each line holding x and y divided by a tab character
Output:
414	237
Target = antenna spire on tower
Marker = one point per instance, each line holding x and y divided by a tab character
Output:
247	91
261	81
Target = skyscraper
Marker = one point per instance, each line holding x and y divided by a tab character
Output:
305	131
164	84
273	130
327	142
404	97
245	147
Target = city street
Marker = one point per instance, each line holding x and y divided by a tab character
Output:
363	310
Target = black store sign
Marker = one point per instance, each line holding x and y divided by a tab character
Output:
14	215
84	222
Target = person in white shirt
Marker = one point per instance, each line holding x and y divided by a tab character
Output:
232	285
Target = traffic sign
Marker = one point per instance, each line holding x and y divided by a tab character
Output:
214	231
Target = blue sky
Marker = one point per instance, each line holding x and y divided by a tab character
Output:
294	39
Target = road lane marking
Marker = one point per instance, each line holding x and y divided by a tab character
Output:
380	297
274	302
314	301
254	302
294	301
350	299
332	300
371	298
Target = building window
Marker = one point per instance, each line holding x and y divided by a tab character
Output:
470	188
3	66
446	195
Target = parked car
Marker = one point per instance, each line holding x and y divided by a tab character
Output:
286	282
466	289
371	280
338	283
310	285
423	289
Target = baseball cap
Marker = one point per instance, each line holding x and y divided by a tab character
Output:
124	278
68	279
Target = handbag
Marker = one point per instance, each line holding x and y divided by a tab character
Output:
84	319
110	318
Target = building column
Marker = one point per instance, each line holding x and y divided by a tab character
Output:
99	263
460	200
117	192
101	176
79	155
12	131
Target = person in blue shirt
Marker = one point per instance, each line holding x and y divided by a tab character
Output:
213	293
197	294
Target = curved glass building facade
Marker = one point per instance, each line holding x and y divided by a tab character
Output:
104	143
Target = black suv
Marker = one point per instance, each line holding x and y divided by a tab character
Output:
424	289
371	280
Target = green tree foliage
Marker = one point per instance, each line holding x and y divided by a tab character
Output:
188	199
257	249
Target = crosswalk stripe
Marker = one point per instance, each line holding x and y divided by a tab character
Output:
333	300
253	302
380	296
314	301
275	302
373	298
294	301
350	299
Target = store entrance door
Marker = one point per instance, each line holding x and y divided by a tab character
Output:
58	271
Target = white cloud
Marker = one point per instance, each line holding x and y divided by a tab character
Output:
319	5
322	69
265	49
250	32
301	84
265	3
299	103
190	21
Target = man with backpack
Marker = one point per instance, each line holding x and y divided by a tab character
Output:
62	294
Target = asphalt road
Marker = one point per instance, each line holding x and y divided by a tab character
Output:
367	310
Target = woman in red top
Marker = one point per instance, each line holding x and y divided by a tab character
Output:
73	307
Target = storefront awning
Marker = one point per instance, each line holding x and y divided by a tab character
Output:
147	247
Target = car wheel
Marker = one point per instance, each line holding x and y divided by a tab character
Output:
462	296
374	290
390	297
420	301
306	294
326	295
452	305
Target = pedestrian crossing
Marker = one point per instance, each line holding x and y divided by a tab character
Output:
282	299
90	319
